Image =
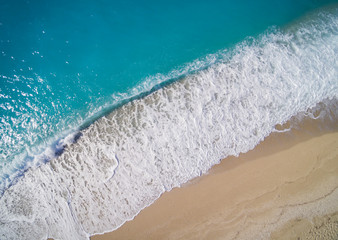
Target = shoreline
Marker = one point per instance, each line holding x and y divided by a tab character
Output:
157	142
283	179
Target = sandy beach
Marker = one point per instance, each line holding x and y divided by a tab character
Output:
286	188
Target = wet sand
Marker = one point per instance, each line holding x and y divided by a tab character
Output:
286	188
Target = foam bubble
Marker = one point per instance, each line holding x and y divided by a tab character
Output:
124	161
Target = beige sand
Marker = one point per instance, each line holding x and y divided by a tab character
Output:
283	189
323	227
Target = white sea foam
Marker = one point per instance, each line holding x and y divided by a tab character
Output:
124	161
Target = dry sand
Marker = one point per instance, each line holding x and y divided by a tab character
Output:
286	188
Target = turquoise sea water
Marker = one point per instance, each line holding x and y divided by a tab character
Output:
65	63
88	70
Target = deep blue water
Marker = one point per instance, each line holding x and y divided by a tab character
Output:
63	63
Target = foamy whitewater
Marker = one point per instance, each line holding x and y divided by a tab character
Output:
124	161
